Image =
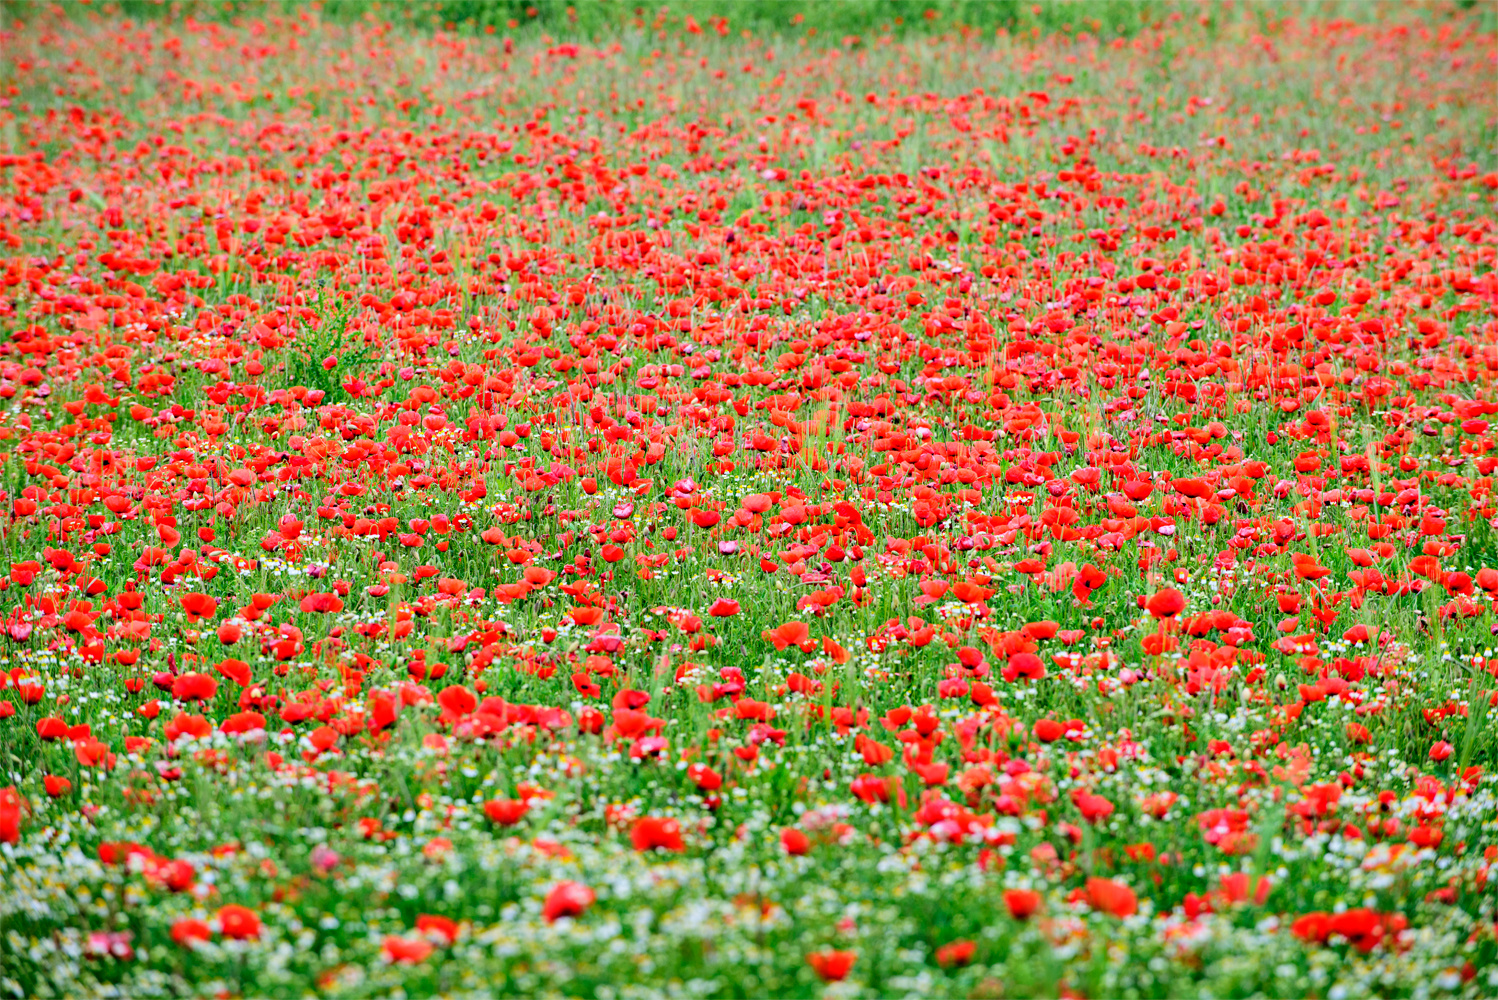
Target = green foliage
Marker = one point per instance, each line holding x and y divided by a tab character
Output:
831	21
305	356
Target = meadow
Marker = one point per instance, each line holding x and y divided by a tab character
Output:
660	503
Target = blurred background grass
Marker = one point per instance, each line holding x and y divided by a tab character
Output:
828	20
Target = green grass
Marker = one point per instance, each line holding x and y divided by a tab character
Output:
829	22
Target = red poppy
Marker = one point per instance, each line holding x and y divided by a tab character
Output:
1314	927
51	728
1023	666
237	671
194	687
1111	897
1362	927
1022	903
704	777
791	634
199	606
188	931
90	752
1166	603
794	841
651	833
1094	808
1049	730
243	722
955	953
506	812
457	701
406	951
566	899
12	808
832	966
184	724
321	603
1089	580
436	927
239	923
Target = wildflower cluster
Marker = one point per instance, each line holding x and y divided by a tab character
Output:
695	513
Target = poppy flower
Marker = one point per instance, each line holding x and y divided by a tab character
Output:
1240	887
832	966
1094	808
1111	897
791	634
1049	730
12	808
199	606
871	788
794	842
1166	603
1307	568
1023	666
630	699
457	701
405	951
566	899
51	728
237	671
437	928
90	752
1022	903
1089	580
506	812
188	931
1195	488
1363	928
632	725
321	603
184	724
704	777
1312	927
239	923
243	722
651	833
194	687
954	954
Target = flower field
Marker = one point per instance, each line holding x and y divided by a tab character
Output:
702	512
